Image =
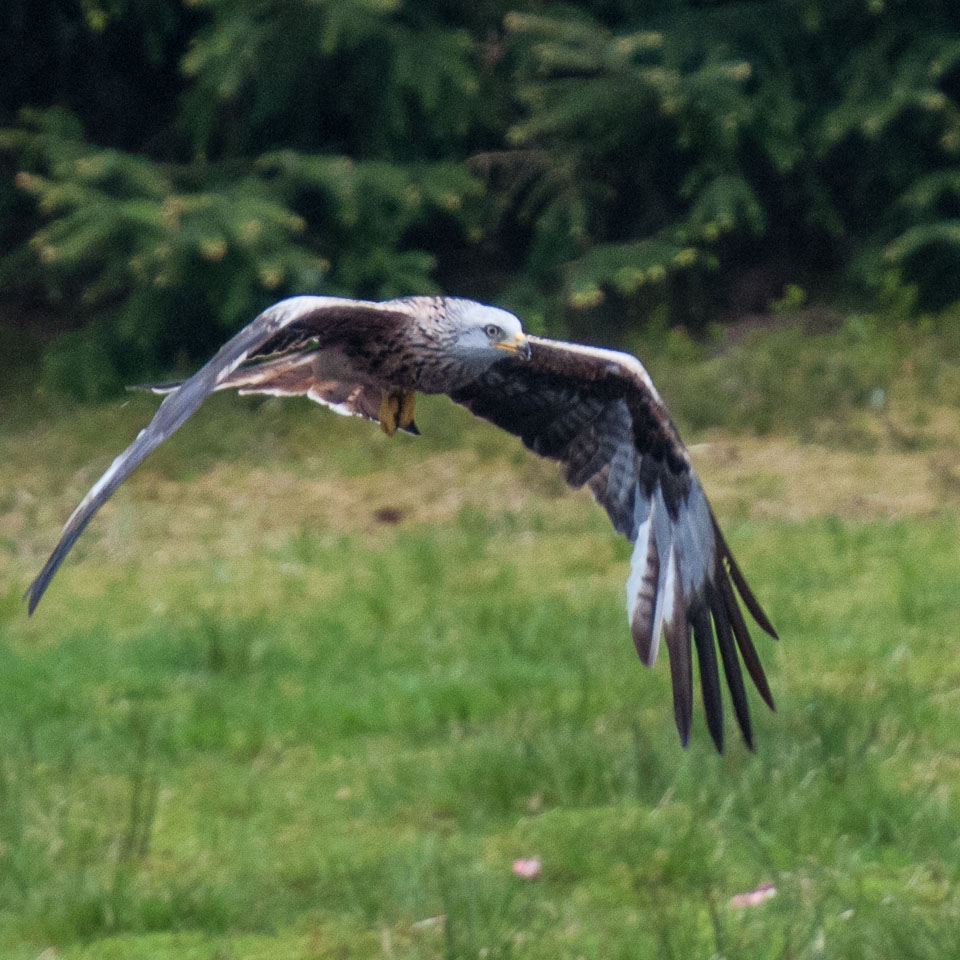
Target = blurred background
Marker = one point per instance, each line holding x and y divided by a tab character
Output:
303	691
169	168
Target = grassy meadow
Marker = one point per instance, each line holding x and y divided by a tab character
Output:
303	691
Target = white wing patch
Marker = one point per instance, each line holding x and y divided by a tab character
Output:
671	561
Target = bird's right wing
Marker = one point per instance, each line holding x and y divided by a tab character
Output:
292	324
598	414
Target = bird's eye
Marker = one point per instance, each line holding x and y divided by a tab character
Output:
493	331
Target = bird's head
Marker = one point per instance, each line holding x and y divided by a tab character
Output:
484	335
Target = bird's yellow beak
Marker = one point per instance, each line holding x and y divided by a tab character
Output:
517	345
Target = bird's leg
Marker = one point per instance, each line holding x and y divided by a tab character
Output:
388	413
407	401
396	410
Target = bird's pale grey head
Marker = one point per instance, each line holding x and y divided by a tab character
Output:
483	335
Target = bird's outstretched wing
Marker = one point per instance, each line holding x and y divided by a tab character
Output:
294	324
295	375
598	414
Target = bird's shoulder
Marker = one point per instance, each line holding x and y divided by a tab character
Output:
587	364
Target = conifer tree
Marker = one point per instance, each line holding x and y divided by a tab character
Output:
168	168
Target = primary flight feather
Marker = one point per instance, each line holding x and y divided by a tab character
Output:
594	411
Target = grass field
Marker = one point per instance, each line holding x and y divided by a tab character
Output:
302	691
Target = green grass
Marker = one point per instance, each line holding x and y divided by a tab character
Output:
249	720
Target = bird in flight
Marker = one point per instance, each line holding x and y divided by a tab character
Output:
594	411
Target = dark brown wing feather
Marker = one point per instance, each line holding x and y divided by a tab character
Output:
290	324
597	413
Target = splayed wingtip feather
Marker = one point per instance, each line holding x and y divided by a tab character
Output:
709	673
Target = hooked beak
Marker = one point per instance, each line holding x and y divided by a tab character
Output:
518	345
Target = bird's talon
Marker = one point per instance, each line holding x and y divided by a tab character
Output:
408	400
387	415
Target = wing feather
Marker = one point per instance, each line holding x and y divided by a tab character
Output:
676	633
748	651
290	323
598	413
731	664
709	674
297	376
643	586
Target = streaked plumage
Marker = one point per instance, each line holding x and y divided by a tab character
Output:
594	411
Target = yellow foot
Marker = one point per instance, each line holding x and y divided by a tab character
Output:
407	401
387	415
396	410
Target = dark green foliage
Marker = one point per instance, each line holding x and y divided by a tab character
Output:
167	169
288	147
716	151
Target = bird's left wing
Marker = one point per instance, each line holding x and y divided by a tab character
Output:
598	414
292	324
